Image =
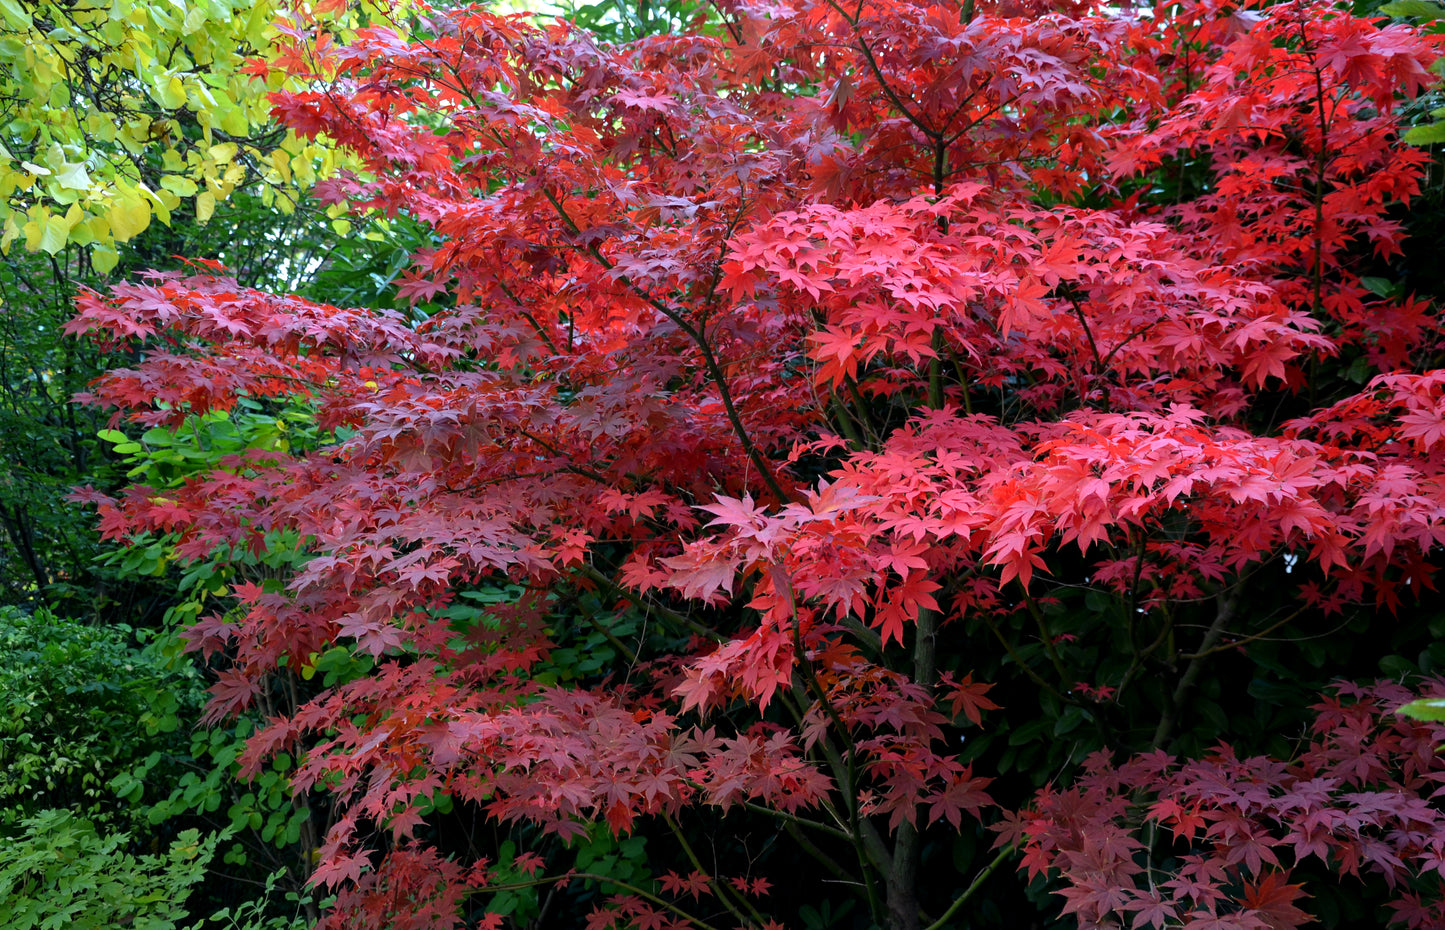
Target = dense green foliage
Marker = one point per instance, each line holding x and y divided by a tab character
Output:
58	871
48	445
81	706
49	548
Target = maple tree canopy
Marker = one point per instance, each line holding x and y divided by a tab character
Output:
857	355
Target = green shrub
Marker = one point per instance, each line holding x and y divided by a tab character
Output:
80	706
59	872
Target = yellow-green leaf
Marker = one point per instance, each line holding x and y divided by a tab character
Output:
73	175
1428	134
129	215
158	205
169	91
233	120
195	19
90	90
14	15
1419	9
104	258
1425	709
182	187
54	235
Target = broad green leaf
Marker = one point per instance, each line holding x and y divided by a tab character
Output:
104	258
194	20
169	91
1381	287
1425	709
1413	9
1429	134
54	235
14	14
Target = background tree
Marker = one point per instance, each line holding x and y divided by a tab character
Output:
114	115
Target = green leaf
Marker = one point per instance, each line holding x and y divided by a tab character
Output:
180	186
14	14
1425	709
169	91
129	215
1413	9
1429	134
1381	287
104	258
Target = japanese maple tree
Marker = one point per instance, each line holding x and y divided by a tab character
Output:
877	363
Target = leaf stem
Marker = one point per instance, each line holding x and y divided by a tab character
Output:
699	338
606	880
793	819
1008	646
1048	638
665	612
1191	674
879	855
725	893
973	886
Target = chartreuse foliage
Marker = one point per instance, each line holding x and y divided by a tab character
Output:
96	762
80	708
785	425
95	765
1425	709
113	118
117	115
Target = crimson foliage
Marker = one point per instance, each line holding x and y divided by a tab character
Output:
827	361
